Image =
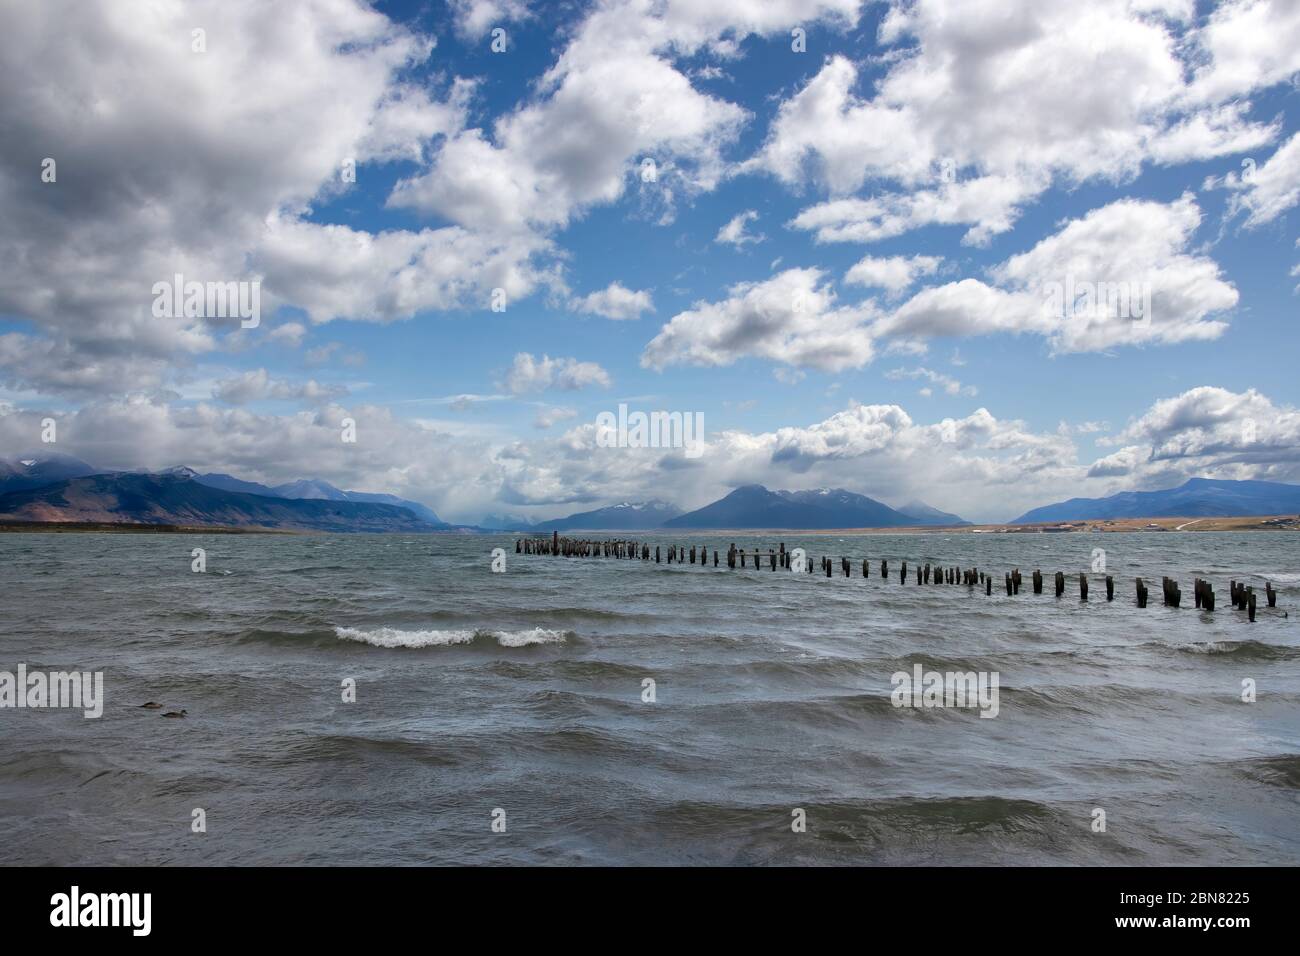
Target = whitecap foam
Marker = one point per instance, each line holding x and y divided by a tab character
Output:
394	637
538	635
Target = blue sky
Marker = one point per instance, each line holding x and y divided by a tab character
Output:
975	152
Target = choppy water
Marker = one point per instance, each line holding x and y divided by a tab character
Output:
523	691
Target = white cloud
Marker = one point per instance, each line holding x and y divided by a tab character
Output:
978	465
937	124
258	385
1133	246
291	334
616	301
548	415
1210	432
949	384
894	273
734	233
1129	243
1244	46
1265	192
531	374
790	318
249	131
474	18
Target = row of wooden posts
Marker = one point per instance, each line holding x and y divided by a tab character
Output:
1242	596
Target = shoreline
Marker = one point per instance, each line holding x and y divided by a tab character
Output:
1280	523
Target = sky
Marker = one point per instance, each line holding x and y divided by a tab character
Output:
859	239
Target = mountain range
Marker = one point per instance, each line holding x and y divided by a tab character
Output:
1196	497
57	487
49	487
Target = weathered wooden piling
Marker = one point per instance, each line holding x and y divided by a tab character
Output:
1243	596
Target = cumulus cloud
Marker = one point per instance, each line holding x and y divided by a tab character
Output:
978	465
791	318
167	160
1121	275
258	385
894	273
938	129
1129	248
548	415
734	232
615	301
474	18
1265	192
531	374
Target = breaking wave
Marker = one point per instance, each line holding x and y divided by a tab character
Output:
393	637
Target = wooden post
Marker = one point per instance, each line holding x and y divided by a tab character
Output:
1269	594
884	569
1110	587
1141	593
988	584
1008	584
1250	604
1038	582
902	575
866	568
1083	587
1060	583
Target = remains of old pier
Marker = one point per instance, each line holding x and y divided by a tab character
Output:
1241	595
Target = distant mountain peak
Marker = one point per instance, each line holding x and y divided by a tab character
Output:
754	506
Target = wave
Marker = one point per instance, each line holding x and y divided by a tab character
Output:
393	637
1241	650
